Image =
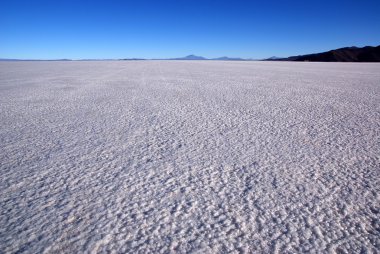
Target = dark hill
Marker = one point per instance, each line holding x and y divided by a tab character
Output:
348	54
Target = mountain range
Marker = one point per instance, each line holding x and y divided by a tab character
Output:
348	54
223	58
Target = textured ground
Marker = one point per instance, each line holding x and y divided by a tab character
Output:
207	157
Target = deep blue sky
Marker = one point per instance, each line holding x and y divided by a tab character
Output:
38	29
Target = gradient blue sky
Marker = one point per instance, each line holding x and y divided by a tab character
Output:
159	29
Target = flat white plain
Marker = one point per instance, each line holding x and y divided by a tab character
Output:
189	156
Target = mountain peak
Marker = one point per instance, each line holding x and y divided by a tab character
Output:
193	57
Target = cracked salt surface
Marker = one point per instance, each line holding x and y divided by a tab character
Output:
189	156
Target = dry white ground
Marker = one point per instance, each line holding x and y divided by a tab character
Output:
196	156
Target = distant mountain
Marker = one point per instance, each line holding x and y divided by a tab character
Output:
223	58
131	59
348	54
190	57
7	59
35	60
274	58
226	58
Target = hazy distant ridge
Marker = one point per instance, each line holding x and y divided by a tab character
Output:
347	54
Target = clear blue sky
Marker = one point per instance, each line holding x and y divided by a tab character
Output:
38	29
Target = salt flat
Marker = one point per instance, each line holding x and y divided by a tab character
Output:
189	156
